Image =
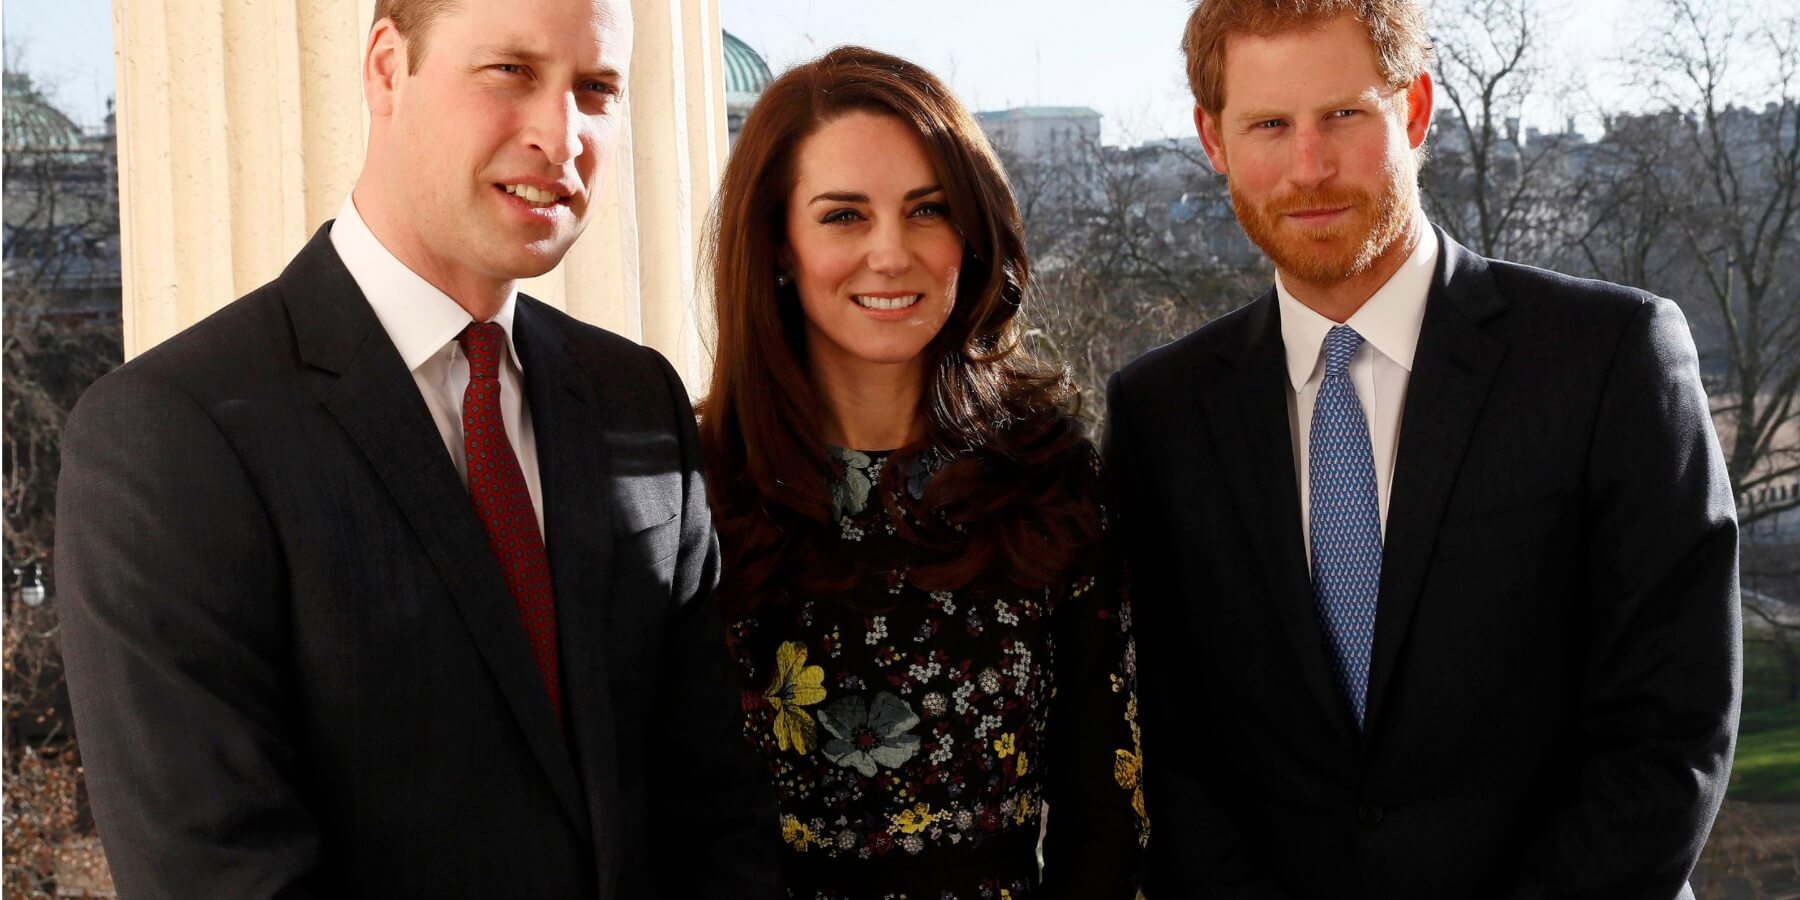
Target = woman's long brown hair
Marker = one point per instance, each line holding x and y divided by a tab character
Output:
1011	498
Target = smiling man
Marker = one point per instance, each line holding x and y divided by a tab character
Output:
389	581
1434	556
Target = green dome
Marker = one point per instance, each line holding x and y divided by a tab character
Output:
32	123
745	72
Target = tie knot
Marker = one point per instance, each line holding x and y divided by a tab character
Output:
1340	344
481	343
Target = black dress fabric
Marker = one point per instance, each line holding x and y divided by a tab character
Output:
916	737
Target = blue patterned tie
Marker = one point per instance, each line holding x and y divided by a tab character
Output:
1346	520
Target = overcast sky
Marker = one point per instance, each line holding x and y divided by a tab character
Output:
1117	56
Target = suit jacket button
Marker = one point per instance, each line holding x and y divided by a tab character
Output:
1369	813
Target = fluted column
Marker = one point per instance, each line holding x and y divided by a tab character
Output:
241	129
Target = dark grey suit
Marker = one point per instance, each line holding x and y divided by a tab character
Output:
1554	687
295	665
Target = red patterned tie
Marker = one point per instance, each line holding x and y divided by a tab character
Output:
497	486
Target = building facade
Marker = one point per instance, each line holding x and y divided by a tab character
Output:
61	207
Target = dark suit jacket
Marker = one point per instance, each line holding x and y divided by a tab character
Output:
295	665
1556	673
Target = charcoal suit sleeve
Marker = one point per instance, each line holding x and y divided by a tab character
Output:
715	816
170	591
1196	849
1663	670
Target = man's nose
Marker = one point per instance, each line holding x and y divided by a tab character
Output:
1313	161
555	128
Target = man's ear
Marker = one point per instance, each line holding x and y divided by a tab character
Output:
384	62
1210	139
1418	110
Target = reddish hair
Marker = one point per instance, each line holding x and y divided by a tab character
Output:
1397	28
1010	496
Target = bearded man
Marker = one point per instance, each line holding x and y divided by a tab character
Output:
1435	556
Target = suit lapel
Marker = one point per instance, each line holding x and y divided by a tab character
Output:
1452	370
377	402
1248	410
575	465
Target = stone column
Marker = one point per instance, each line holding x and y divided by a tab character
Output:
241	129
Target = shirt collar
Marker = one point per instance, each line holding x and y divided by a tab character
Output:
418	318
1389	321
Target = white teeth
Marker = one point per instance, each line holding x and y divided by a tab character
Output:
867	302
530	194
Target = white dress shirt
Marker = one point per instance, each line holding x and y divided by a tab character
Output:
423	322
1389	324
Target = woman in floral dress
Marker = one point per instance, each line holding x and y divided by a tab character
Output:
930	618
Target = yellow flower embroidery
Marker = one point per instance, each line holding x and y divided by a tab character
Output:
795	685
915	820
1128	768
1003	745
796	833
1022	767
1128	771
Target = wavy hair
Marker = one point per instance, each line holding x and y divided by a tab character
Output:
1396	27
1009	494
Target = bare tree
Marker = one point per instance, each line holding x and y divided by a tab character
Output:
1733	195
1486	182
1626	226
48	362
61	226
1130	248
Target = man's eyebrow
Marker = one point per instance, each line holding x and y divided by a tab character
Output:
534	57
1258	115
1357	99
1342	102
853	197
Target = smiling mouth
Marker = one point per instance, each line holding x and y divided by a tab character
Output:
867	301
534	197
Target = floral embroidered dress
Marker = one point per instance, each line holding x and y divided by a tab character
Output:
914	738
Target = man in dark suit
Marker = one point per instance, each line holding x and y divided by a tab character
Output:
387	581
1435	555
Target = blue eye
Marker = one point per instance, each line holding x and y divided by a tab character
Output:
511	68
1267	124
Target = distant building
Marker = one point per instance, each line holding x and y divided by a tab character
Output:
33	125
745	77
61	205
1042	132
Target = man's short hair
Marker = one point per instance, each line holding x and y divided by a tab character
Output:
413	19
1402	42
